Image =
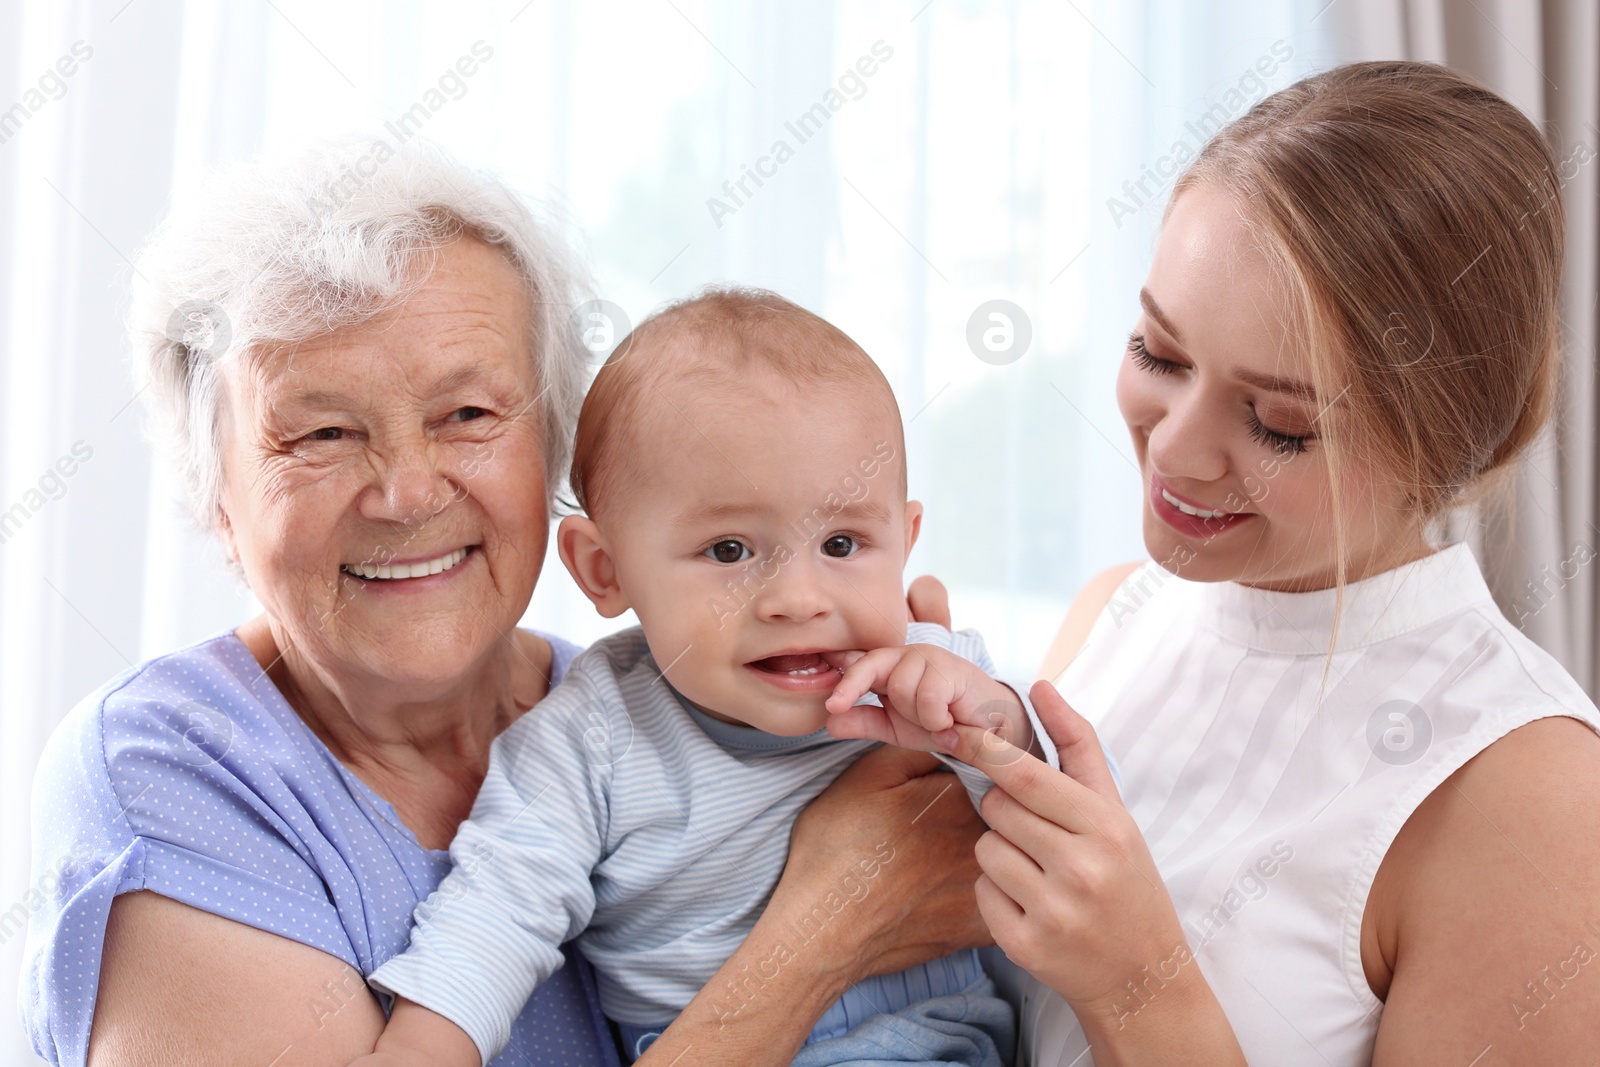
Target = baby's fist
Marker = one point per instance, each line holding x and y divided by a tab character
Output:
926	692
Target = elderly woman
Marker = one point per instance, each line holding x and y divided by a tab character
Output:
362	361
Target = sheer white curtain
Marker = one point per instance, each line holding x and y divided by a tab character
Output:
940	155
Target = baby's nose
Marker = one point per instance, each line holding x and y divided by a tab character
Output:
793	595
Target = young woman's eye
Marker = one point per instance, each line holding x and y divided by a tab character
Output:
729	551
1146	361
839	546
1281	443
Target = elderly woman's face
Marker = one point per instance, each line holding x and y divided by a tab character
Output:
383	486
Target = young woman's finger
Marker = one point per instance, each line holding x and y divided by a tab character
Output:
1011	869
1030	781
1003	916
1082	757
1031	832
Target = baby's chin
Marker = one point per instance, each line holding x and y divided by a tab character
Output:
781	717
793	728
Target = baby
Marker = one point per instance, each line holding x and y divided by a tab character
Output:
740	462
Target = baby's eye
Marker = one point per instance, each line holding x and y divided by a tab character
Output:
839	546
729	551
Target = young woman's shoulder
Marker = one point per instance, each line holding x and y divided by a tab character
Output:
1086	608
1495	873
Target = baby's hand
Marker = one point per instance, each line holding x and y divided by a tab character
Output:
926	692
417	1037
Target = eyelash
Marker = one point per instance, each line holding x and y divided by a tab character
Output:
859	541
1282	443
312	438
712	547
1143	358
856	540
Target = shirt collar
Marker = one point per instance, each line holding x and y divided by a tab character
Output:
738	735
1395	602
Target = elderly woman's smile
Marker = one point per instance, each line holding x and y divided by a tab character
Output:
383	484
406	570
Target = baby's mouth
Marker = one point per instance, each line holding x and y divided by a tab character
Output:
795	665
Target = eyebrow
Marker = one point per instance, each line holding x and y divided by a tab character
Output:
330	398
1153	309
467	375
1271	383
1299	390
317	398
866	508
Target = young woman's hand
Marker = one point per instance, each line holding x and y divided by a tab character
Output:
1069	889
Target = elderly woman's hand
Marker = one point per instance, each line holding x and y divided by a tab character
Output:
914	830
929	601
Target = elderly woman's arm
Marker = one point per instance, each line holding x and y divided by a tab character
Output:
889	816
180	987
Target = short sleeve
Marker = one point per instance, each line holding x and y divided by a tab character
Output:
141	789
562	653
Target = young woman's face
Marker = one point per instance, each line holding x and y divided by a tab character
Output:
1215	389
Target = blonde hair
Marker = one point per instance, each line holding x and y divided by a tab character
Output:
1416	219
721	333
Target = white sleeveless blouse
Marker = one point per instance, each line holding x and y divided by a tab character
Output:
1267	810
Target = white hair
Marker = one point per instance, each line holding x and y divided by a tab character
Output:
279	251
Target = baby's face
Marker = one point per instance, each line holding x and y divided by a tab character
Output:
764	526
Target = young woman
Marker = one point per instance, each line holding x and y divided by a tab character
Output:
1361	820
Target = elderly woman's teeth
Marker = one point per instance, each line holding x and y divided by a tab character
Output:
388	572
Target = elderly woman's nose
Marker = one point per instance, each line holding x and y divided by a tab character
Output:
411	484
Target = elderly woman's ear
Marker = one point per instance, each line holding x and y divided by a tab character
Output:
588	559
224	528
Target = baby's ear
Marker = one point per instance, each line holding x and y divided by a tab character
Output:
587	559
913	525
